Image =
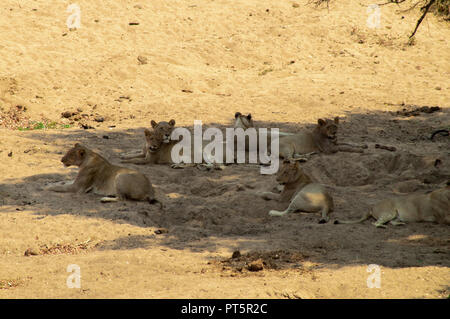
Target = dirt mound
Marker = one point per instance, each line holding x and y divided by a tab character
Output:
382	167
57	249
414	110
262	260
15	118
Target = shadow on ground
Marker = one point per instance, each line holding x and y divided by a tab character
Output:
205	210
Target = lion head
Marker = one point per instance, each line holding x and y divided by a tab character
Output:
290	172
328	128
75	156
153	140
164	129
243	121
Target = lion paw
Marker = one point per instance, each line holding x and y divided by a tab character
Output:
276	213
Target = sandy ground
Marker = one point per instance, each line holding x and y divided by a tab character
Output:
286	62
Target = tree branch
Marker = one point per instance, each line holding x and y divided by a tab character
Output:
427	7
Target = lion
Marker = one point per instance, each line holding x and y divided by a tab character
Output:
159	152
163	129
430	207
245	122
101	177
322	139
303	194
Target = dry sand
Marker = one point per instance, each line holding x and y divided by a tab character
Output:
287	65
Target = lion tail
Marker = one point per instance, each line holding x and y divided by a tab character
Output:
363	218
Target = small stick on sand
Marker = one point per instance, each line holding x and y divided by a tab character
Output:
441	132
388	148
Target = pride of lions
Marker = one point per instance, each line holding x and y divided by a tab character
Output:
298	190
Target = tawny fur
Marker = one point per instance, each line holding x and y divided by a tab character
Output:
162	129
101	177
159	152
322	139
431	207
302	193
245	122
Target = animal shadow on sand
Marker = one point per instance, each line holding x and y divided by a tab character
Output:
208	210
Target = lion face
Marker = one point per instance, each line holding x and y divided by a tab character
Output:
164	129
243	121
328	128
289	172
153	140
74	156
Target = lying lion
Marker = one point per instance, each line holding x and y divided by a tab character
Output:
162	129
245	122
98	175
431	207
159	152
322	139
303	194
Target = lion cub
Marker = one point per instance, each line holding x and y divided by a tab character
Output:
162	129
103	178
431	207
322	139
303	194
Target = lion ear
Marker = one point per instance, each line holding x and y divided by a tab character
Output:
81	152
147	132
77	145
249	116
172	122
321	122
153	123
336	120
237	114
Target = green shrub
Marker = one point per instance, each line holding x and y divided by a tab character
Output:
43	126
